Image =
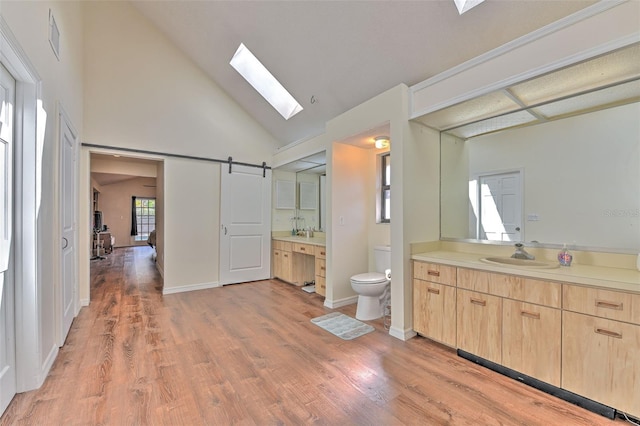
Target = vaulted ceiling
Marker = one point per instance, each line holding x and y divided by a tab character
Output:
334	55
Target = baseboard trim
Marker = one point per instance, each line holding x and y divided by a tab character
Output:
571	397
48	363
190	287
404	335
84	302
160	270
333	304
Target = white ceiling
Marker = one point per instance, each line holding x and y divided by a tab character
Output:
340	53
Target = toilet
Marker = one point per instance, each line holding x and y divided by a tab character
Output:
373	288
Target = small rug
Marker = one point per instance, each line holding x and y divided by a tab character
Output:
343	326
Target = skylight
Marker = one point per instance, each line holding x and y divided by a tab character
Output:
264	82
464	5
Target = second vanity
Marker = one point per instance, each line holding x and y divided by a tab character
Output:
299	260
575	328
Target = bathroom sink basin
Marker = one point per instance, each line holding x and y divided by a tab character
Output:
519	263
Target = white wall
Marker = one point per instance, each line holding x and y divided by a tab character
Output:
60	85
348	251
141	92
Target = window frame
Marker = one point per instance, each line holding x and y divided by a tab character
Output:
141	235
384	186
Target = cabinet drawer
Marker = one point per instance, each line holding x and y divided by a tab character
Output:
281	245
609	304
434	272
320	268
600	360
321	252
512	287
303	248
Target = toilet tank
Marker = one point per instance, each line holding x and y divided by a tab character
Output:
382	255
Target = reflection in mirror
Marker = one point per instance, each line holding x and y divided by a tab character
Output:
573	181
573	178
305	183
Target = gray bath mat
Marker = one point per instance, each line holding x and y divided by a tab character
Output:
343	326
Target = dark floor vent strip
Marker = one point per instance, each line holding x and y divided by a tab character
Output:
571	397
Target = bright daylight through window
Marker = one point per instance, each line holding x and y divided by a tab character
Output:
146	217
264	82
385	187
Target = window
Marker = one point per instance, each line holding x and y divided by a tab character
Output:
385	188
146	217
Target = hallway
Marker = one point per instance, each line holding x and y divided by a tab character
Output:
248	354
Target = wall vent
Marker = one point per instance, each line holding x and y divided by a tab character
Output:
54	35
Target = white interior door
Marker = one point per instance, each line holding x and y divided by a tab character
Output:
501	207
245	218
7	301
66	293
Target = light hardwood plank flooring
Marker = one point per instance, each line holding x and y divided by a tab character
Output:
248	354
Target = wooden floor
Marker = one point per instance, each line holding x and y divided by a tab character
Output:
248	354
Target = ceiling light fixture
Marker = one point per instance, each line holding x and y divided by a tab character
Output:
258	76
464	5
381	142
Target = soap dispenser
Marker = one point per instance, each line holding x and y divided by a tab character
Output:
564	257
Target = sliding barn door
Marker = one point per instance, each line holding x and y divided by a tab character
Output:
245	218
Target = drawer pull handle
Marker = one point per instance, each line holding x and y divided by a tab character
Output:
285	255
301	248
608	305
433	273
322	268
478	302
608	333
534	315
433	290
322	253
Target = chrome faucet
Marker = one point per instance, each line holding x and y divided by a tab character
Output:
521	253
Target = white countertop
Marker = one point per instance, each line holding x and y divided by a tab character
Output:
316	241
600	276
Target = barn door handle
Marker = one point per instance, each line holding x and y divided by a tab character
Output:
225	230
66	243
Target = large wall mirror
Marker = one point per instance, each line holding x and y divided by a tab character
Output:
300	194
554	160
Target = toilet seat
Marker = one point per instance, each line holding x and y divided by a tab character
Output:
369	278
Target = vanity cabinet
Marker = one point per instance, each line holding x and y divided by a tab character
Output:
601	346
583	339
434	302
281	256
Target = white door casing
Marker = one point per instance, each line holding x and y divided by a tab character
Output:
7	298
68	264
501	207
245	230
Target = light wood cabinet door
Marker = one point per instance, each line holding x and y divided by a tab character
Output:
276	262
434	311
321	286
531	340
282	265
479	324
601	360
